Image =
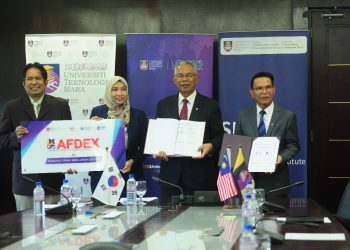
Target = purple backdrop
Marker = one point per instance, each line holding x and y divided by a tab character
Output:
151	59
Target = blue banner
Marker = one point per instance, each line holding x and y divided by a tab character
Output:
286	55
151	59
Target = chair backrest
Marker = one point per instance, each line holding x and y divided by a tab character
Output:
343	212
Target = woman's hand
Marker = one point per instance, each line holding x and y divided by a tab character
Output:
96	118
128	166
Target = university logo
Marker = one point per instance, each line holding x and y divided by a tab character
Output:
30	43
101	42
65	43
85	53
49	54
53	77
51	144
144	64
227	45
86	180
85	112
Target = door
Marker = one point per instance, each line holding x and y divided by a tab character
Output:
329	168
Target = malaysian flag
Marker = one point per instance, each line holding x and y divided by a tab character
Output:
226	184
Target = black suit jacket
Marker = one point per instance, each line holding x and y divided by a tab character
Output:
17	111
195	174
283	125
136	141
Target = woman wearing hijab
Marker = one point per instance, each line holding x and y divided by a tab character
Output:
117	105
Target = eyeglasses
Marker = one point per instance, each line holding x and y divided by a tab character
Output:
267	88
187	75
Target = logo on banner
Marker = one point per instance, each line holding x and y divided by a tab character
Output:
65	43
85	53
30	43
53	77
228	45
144	64
51	144
85	112
101	42
49	53
101	101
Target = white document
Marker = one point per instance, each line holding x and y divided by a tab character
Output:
174	137
263	154
315	236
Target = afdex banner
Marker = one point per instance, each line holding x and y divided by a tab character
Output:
283	53
78	67
83	145
151	59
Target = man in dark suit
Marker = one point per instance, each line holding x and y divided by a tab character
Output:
268	119
35	106
197	173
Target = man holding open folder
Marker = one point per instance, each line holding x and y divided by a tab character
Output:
268	119
196	173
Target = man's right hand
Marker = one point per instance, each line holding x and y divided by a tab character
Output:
161	156
21	131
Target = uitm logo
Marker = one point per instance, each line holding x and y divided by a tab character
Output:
144	64
228	45
53	77
51	144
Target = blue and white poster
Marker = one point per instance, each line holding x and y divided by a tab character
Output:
286	55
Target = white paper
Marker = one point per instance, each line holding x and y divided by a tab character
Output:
113	214
174	137
189	138
124	202
263	154
314	236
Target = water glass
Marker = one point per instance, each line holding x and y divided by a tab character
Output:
260	199
141	190
264	241
77	193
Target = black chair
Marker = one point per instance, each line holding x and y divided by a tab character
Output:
343	212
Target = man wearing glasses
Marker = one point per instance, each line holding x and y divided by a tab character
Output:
198	173
267	119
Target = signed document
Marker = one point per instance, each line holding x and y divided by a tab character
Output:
263	154
55	146
174	137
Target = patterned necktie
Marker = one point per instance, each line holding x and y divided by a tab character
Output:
184	110
36	109
261	127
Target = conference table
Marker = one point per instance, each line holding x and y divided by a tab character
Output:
162	227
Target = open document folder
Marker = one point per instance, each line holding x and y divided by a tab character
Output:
174	137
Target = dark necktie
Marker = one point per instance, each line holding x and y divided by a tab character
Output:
261	127
184	111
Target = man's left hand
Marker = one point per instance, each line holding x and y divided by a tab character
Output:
205	149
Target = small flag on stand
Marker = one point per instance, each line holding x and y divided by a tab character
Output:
241	172
225	182
111	183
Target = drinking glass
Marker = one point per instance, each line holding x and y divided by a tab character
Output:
141	189
77	193
260	199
